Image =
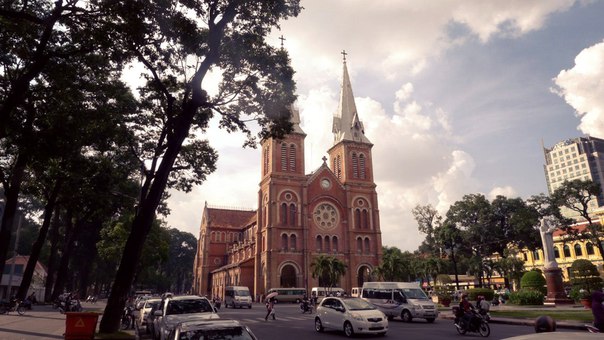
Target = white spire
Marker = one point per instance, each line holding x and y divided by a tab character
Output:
346	123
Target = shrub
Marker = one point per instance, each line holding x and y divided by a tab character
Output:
584	275
533	280
527	297
486	292
578	293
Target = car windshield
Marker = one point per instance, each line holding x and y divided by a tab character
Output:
242	293
153	304
235	333
358	304
413	293
189	306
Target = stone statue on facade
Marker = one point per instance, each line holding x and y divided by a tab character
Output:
547	229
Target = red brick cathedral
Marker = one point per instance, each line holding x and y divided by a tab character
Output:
332	211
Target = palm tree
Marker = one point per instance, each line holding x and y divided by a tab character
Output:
328	269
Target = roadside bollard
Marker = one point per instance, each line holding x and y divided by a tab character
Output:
545	323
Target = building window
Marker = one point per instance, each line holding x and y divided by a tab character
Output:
334	244
367	246
578	250
284	242
556	252
327	244
536	255
283	213
359	245
292	242
319	244
525	257
357	218
283	157
292	214
355	166
566	250
365	219
362	166
339	167
266	155
589	247
292	158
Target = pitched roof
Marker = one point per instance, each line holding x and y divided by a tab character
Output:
230	218
346	122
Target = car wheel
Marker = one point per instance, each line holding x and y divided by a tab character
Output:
406	316
318	325
348	330
430	320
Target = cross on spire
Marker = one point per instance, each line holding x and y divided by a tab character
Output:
344	54
282	40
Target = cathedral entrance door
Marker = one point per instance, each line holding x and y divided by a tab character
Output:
363	275
288	276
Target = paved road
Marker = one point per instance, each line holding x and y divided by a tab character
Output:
44	323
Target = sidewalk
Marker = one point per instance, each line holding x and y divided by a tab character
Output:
568	324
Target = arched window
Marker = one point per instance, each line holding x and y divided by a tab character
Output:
367	246
578	250
327	244
355	166
319	244
589	247
365	220
283	213
359	245
334	244
292	157
263	243
283	157
284	242
362	166
524	256
292	214
339	167
566	250
292	242
357	218
536	255
556	252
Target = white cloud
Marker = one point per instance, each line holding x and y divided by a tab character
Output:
583	88
506	191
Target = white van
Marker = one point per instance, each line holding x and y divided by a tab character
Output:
355	292
400	299
321	292
237	296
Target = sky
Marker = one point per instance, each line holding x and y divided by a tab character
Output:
456	96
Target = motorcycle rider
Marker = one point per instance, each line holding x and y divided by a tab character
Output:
305	305
468	311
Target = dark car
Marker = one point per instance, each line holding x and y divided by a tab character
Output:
211	329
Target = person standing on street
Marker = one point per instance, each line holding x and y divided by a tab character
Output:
270	309
597	309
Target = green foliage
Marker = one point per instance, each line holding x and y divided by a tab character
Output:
527	297
584	275
533	280
443	279
473	293
578	293
328	269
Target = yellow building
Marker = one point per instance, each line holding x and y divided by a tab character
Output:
567	250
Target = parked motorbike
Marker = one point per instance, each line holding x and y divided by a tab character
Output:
13	305
127	318
306	307
70	306
475	324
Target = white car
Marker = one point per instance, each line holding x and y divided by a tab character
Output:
351	315
177	309
212	329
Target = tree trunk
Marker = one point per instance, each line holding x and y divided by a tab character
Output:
37	246
63	271
54	240
11	192
142	225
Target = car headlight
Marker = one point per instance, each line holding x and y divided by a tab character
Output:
417	306
357	317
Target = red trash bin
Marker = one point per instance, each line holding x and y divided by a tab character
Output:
80	325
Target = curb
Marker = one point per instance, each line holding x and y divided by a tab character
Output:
526	322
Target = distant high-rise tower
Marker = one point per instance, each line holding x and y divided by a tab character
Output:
576	158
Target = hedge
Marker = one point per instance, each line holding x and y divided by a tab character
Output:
475	292
533	280
527	297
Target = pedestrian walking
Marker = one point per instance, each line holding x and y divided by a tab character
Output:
270	309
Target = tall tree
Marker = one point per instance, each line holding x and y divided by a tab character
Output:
179	42
328	269
427	219
578	196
